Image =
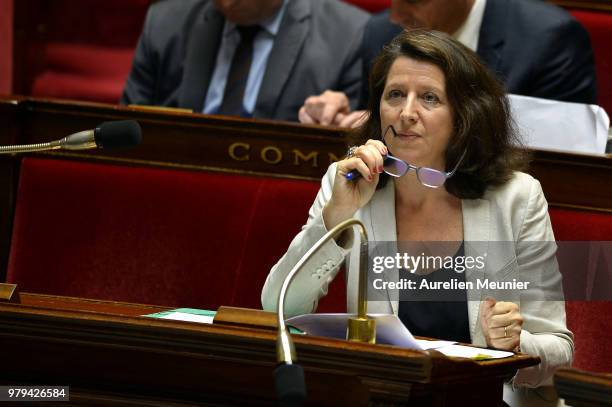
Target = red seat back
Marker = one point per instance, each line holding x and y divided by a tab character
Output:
599	25
147	235
77	50
588	320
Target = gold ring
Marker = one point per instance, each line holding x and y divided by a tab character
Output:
505	332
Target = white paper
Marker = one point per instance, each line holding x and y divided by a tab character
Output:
561	126
426	344
182	316
461	351
389	329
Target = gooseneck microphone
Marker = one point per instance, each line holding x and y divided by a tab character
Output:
289	376
108	135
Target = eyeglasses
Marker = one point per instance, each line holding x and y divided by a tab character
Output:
429	177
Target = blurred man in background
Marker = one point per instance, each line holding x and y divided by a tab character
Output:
251	58
535	48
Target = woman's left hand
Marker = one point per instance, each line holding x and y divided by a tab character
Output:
501	324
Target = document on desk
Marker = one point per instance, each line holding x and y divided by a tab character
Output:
462	351
560	126
389	331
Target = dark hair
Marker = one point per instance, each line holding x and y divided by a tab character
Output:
482	122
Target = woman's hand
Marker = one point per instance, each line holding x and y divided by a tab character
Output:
348	196
501	323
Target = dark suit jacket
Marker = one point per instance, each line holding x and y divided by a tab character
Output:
535	48
317	48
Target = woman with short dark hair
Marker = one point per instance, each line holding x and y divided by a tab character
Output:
435	162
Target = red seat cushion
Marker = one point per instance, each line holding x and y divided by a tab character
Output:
89	60
130	234
78	87
84	72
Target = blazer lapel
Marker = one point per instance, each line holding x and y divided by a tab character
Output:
204	40
383	229
491	39
476	235
287	46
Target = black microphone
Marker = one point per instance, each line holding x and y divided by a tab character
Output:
107	135
290	385
118	134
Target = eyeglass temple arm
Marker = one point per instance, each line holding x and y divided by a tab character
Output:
450	174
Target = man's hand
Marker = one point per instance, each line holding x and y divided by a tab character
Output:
354	119
324	108
501	324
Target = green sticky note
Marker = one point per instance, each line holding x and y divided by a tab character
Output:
294	330
481	356
207	313
183	310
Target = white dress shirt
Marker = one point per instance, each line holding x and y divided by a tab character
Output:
469	33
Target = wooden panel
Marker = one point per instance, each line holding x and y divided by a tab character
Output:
185	140
574	180
584	389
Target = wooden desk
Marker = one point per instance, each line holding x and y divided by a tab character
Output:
584	389
109	355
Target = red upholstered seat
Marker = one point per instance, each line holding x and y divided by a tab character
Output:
588	320
84	49
581	225
83	72
168	237
599	25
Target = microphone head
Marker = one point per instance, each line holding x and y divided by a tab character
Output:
290	385
118	134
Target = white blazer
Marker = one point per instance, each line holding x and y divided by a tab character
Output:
514	212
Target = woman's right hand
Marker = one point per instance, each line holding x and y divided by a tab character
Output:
348	196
